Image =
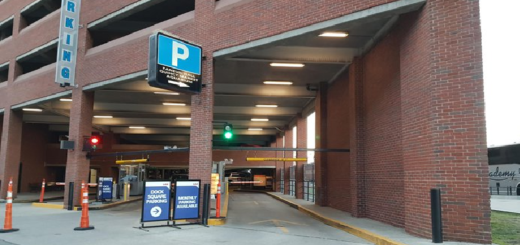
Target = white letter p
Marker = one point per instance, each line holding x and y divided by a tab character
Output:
176	55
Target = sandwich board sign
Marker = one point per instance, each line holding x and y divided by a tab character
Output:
174	64
156	201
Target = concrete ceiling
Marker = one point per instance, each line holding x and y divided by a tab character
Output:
238	87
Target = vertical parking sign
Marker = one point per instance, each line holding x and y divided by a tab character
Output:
174	64
105	188
186	204
156	201
68	42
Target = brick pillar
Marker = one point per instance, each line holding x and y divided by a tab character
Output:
279	164
301	142
321	142
80	125
201	131
444	133
11	148
357	158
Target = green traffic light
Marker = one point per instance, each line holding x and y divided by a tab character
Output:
228	135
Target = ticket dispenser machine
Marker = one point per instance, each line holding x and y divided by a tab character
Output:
135	175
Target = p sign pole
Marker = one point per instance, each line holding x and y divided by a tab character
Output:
68	42
174	64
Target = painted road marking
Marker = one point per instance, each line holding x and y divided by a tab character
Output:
278	223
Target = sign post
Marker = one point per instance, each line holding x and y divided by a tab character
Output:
68	42
174	64
156	202
186	203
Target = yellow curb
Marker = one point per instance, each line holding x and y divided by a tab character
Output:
47	205
215	222
356	231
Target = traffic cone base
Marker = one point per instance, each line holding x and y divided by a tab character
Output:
84	229
9	230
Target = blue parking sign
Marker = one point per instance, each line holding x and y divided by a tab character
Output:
186	204
156	201
174	64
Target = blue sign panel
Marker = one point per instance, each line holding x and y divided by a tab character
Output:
180	55
186	204
68	42
105	188
156	201
174	64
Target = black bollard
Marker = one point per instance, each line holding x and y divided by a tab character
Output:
435	195
205	204
71	196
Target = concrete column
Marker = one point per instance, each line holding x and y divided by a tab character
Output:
321	142
301	142
357	158
80	125
11	148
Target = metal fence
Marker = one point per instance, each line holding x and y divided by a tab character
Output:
308	182
282	181
292	181
505	191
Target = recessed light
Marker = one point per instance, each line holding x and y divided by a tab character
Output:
278	82
184	118
32	109
294	65
166	93
255	129
267	106
334	34
174	104
99	116
137	127
65	100
259	119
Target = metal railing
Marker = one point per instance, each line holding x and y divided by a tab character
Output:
506	191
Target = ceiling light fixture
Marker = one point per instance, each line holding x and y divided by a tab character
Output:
137	127
66	100
278	82
259	119
334	34
255	129
184	118
32	109
99	116
267	106
292	65
174	104
166	93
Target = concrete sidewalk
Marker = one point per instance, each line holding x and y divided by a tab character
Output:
371	230
509	204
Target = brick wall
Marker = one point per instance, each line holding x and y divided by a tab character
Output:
384	182
34	140
338	138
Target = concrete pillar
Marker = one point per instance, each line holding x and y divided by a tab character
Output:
321	142
357	158
11	148
80	125
301	142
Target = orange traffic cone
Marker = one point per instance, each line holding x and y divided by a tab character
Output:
84	224
42	193
8	223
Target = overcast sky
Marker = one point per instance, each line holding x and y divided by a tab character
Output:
501	51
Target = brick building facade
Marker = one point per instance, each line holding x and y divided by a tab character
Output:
410	107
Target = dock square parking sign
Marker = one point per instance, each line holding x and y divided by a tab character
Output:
174	64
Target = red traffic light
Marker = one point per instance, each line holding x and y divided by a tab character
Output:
94	140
